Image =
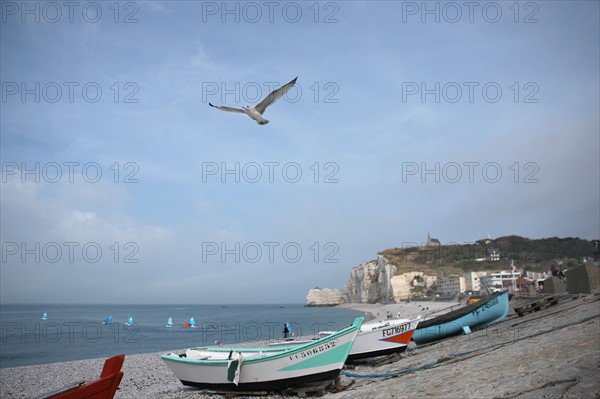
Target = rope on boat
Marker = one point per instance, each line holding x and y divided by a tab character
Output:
461	354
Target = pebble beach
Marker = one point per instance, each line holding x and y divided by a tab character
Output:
552	353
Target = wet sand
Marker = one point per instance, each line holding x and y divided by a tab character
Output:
553	353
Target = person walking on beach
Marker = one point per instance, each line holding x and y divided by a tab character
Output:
286	330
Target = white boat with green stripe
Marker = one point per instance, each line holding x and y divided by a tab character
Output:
245	369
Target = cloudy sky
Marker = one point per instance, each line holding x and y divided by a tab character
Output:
121	185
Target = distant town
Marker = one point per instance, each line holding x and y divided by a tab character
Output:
434	270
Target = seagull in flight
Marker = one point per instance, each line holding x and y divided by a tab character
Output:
257	111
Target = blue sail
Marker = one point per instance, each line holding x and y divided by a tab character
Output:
44	316
170	322
192	321
108	319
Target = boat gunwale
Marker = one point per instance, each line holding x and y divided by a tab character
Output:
457	313
413	325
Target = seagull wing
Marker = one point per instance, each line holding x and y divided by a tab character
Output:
228	109
274	96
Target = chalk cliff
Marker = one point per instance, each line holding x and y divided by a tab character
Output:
411	284
325	297
373	282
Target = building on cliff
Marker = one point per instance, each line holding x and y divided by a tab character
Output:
431	242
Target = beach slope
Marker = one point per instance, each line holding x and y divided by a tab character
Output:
551	353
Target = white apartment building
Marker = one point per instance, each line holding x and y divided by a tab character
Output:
473	281
496	280
450	285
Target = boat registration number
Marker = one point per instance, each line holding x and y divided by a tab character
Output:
314	351
402	328
491	303
488	305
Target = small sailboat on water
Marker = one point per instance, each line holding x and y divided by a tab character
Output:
191	323
45	316
107	319
169	323
129	321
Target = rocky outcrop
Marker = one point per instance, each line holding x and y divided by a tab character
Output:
373	282
325	297
410	285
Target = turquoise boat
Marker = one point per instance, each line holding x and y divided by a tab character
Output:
250	369
473	316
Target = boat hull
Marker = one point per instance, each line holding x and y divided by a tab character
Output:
385	338
477	315
374	339
266	368
272	385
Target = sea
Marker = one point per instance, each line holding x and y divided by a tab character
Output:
74	332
